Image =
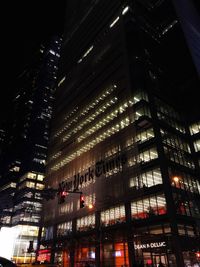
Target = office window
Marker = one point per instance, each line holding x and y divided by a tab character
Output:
142	111
144	156
113	215
144	135
148	207
138	96
185	205
65	208
184	181
187	230
179	157
64	229
174	141
197	145
146	179
86	223
195	128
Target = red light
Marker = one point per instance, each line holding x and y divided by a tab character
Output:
64	194
198	254
82	201
149	262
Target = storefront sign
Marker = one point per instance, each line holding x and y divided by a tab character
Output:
101	168
151	245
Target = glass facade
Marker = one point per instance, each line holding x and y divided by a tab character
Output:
124	149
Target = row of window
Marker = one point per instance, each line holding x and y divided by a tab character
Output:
146	179
164	108
114	113
38	186
148	207
171	122
179	157
73	118
184	181
144	156
32	176
174	141
186	205
140	209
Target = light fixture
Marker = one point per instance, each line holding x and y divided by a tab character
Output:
176	179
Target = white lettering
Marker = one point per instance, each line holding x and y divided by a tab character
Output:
151	245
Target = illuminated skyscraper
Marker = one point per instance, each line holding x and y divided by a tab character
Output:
24	155
117	139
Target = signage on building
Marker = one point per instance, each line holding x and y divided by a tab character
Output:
150	245
101	168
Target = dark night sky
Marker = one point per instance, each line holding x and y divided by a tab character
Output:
25	26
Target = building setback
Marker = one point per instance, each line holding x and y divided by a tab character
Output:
118	141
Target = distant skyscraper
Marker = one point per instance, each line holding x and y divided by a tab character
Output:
118	142
26	150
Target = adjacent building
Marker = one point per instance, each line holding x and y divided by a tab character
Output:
24	155
119	143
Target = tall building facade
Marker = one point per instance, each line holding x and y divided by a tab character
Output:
119	144
24	155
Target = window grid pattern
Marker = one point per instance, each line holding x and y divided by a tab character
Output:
145	135
65	209
179	157
174	141
64	229
144	156
187	230
148	207
146	179
184	181
105	128
186	206
113	215
86	223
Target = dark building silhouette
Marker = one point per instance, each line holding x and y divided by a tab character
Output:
23	157
118	138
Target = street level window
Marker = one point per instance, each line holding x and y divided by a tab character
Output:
151	230
187	230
